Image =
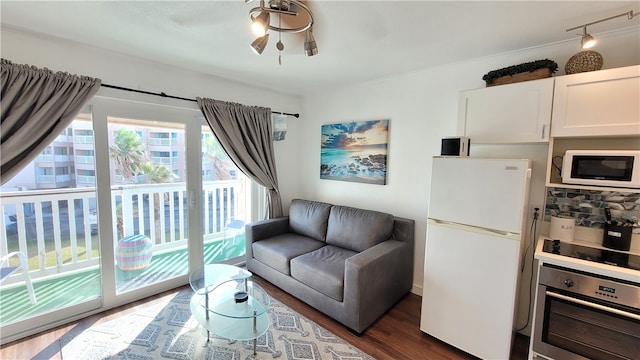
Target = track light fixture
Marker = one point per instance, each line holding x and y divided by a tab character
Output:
261	24
589	41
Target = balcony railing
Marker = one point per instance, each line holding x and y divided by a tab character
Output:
45	158
160	160
45	179
162	141
85	159
84	139
59	227
85	179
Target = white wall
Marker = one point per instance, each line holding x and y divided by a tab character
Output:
122	70
422	107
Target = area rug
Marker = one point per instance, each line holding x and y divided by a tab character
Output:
168	331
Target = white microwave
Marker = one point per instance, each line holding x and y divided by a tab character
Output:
616	168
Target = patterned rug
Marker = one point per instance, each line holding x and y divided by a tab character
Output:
168	331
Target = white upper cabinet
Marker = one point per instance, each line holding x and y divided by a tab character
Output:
507	114
598	103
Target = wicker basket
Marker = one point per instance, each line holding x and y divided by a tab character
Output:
586	60
524	76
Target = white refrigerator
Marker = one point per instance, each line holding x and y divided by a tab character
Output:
474	242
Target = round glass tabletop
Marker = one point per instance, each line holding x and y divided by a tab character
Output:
206	278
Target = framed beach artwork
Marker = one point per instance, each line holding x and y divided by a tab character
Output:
355	151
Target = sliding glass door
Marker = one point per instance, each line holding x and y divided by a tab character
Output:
147	173
131	197
49	233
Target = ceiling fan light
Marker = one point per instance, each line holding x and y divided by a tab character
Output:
587	41
259	44
260	24
310	47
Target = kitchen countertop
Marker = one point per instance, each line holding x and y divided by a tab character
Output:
585	265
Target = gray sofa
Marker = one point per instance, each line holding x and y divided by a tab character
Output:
351	264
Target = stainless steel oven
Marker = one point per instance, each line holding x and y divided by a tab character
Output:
585	316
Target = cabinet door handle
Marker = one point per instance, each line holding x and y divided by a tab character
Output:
544	127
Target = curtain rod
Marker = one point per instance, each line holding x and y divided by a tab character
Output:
162	94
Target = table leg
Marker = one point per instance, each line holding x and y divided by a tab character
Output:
206	309
255	332
206	304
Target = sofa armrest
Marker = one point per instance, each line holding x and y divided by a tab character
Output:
264	229
376	279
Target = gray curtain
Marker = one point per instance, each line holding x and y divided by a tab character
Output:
37	105
245	133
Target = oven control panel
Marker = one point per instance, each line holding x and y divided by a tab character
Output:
591	286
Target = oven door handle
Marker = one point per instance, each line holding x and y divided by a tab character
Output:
594	306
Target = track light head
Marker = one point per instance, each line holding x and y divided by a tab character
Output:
259	44
310	47
260	24
587	40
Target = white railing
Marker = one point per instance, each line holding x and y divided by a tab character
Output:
55	225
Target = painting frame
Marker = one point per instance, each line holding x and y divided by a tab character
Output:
355	151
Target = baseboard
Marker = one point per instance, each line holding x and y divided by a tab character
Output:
416	289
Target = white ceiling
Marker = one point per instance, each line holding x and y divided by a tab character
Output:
357	40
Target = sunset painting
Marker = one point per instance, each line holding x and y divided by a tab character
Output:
355	151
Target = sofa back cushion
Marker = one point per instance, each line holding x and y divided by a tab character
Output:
309	218
358	229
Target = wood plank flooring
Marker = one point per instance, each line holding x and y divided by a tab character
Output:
394	336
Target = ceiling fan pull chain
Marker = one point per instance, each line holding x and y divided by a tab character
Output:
279	44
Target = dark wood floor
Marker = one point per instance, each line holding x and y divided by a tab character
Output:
394	336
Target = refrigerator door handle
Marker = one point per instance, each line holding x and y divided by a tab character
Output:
476	229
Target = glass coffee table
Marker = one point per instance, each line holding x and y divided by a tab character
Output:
227	303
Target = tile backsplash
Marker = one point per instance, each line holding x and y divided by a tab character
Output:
587	206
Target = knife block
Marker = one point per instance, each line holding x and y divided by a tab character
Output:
617	237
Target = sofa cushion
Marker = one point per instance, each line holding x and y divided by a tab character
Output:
358	229
309	218
323	270
276	252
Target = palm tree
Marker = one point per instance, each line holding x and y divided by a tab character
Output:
156	175
128	153
222	164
